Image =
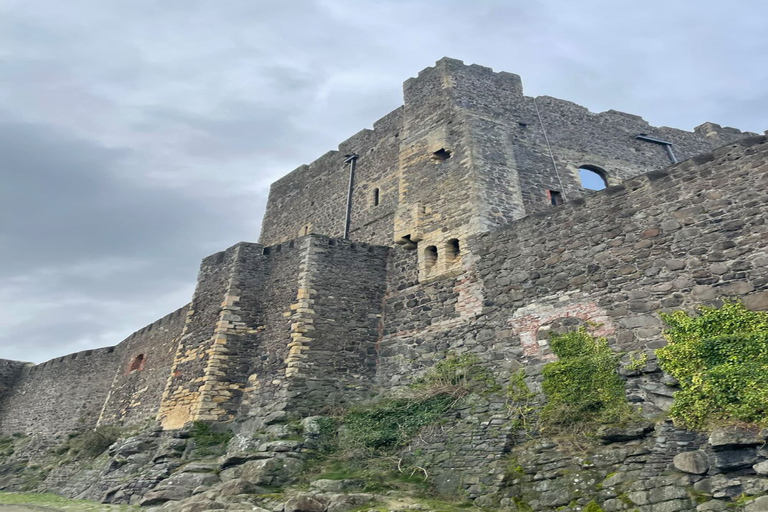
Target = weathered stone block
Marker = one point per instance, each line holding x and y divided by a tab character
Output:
696	462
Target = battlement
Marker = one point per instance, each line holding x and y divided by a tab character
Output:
57	361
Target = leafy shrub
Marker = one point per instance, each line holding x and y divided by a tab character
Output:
457	376
92	443
327	438
206	438
392	423
720	359
522	403
582	388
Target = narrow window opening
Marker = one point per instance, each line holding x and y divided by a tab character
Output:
331	241
137	363
522	125
306	230
430	257
266	251
441	155
453	249
592	178
375	197
278	248
555	197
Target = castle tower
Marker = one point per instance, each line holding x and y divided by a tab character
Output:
466	153
457	173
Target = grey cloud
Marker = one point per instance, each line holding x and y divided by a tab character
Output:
80	233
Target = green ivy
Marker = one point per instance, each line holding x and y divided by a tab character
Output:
720	359
392	423
207	440
582	388
463	373
522	403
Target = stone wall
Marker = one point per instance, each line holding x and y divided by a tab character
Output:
313	198
10	371
277	328
336	323
693	234
60	395
198	385
144	362
278	288
672	239
115	385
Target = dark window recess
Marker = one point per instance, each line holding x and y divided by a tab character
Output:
522	125
375	197
266	251
430	256
555	197
137	363
441	155
453	249
306	230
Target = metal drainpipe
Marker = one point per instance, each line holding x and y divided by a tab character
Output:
352	160
667	145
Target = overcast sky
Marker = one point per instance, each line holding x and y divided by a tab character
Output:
138	136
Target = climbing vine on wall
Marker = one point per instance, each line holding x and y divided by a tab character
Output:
720	359
583	388
392	422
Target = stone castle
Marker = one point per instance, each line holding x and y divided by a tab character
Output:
459	223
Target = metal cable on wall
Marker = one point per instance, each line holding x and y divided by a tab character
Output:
549	148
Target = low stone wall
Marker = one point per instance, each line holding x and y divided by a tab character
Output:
60	395
10	371
144	364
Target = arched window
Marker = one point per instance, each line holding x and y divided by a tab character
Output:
137	363
453	250
430	257
375	197
592	178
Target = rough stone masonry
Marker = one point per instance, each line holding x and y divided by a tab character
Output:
469	231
